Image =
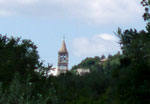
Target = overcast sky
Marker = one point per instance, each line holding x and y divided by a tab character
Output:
88	25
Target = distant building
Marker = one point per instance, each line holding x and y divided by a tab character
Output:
53	72
103	60
63	58
83	71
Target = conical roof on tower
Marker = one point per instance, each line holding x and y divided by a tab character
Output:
63	48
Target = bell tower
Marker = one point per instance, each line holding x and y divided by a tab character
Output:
63	57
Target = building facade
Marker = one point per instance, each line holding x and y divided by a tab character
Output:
82	71
63	58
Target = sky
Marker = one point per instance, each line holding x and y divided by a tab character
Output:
88	25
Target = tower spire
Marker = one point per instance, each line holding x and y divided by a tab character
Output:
63	48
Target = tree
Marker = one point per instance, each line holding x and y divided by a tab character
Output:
146	15
131	82
17	55
102	57
23	92
89	63
109	56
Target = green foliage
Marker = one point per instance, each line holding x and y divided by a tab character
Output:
135	45
130	82
22	92
72	89
21	56
89	63
17	55
112	63
146	15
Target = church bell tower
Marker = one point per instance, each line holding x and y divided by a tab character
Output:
63	57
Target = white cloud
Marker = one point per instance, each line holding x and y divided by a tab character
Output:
5	13
107	37
17	2
92	11
97	45
27	2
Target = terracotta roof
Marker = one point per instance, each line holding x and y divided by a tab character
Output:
63	48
